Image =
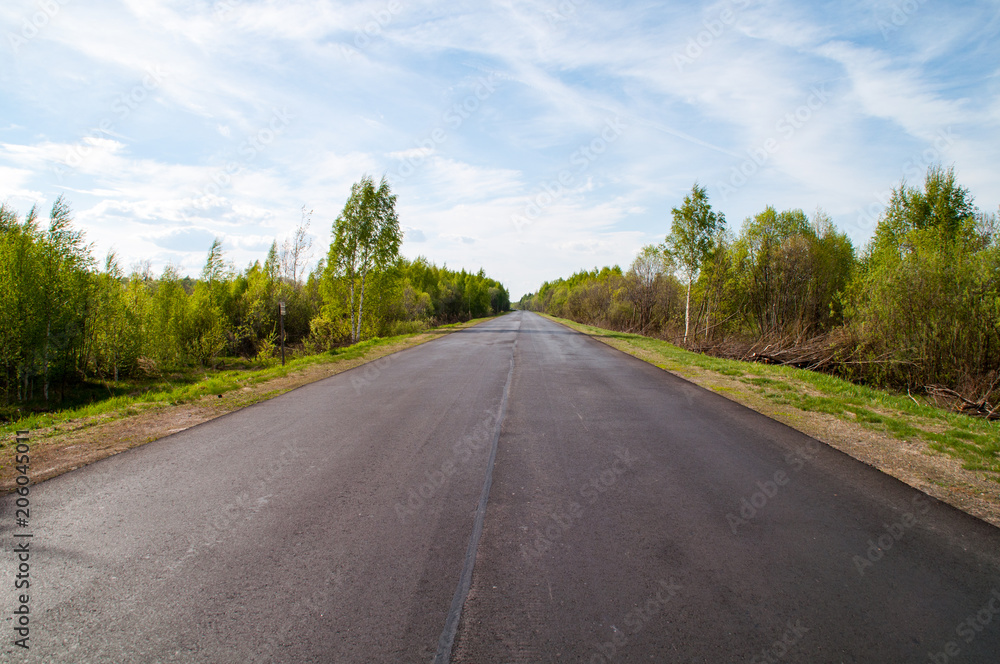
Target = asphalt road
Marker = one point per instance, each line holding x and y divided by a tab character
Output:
631	516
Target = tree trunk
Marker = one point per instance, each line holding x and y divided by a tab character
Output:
353	326
687	312
361	307
708	315
45	361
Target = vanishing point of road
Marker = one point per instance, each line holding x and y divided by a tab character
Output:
512	492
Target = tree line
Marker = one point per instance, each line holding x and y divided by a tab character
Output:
918	306
65	318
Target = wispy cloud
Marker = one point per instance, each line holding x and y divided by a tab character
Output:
143	111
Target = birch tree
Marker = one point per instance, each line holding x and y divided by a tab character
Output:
295	252
691	239
366	241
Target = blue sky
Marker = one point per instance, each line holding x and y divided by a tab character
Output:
532	139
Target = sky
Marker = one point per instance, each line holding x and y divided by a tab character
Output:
532	139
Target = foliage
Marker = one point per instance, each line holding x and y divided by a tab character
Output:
366	242
410	292
64	321
692	238
790	272
45	281
921	305
644	298
644	283
926	301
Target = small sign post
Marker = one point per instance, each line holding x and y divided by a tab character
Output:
281	316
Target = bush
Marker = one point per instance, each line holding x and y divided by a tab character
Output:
399	327
326	334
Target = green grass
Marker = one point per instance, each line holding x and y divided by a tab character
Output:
129	397
974	441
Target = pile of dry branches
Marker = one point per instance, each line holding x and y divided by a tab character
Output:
956	401
837	353
824	352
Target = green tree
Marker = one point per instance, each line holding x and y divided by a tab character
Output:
834	264
46	283
944	210
773	255
926	299
366	241
715	281
790	272
65	262
208	321
169	319
21	292
644	281
692	236
115	331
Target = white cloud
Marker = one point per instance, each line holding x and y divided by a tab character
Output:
487	103
895	93
413	235
15	179
413	154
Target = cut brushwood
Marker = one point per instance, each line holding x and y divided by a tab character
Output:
962	404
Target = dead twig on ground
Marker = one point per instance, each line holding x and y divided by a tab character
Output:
965	405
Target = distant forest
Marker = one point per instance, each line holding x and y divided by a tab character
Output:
65	319
917	309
